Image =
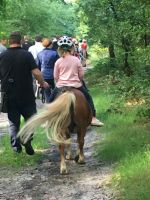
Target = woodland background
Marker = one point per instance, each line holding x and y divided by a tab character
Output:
118	36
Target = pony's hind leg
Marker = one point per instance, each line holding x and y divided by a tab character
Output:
68	147
64	134
80	139
63	167
69	152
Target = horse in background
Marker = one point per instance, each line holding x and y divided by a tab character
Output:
69	111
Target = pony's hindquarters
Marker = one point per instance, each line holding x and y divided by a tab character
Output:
55	116
70	106
83	113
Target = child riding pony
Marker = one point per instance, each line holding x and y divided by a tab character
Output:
72	109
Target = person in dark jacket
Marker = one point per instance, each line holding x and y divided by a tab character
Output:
46	60
26	43
19	86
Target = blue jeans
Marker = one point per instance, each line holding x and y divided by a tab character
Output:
47	91
15	110
83	90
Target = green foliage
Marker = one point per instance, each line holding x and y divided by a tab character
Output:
33	17
127	88
133	177
132	91
126	138
10	158
122	26
126	134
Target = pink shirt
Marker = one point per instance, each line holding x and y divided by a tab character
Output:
68	71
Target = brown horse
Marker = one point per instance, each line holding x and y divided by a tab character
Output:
69	111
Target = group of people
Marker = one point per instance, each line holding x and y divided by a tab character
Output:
45	55
80	50
52	64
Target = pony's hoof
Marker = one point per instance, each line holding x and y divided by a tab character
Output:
76	158
81	162
63	172
69	157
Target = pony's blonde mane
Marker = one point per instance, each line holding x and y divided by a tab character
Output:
56	117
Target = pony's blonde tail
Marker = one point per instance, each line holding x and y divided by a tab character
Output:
56	116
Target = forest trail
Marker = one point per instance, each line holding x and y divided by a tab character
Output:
43	181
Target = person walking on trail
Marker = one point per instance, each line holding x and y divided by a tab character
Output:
34	50
54	44
19	85
83	52
3	43
76	51
84	48
68	71
46	60
37	47
26	43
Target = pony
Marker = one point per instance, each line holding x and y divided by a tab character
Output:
68	112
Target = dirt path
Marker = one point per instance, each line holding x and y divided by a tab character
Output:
43	182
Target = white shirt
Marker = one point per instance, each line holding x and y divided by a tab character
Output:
2	48
35	49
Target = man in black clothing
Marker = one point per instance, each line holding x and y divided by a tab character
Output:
16	69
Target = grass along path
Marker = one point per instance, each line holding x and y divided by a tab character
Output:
8	158
126	144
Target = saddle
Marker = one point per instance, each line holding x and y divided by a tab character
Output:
65	89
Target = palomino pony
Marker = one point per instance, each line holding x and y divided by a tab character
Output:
69	111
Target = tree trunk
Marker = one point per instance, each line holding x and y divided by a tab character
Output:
111	55
146	40
2	4
127	50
